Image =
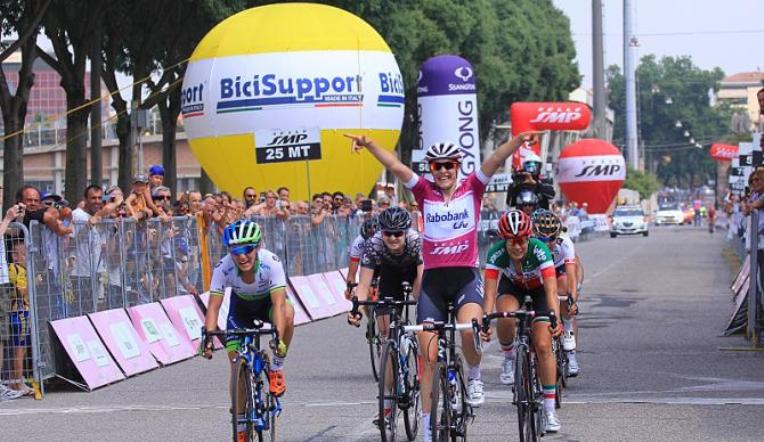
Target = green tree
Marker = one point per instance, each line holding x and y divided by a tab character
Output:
643	182
669	90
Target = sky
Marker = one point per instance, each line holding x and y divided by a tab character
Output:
724	33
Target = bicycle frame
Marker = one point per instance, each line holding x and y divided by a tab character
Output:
257	362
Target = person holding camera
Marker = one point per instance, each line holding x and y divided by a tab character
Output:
529	178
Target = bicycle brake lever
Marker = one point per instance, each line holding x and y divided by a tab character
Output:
476	336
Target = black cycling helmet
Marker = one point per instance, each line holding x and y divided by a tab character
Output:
369	227
394	219
526	198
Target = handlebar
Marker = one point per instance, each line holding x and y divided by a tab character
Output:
258	329
517	314
438	326
379	303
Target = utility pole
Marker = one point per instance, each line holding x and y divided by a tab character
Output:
600	97
630	44
96	149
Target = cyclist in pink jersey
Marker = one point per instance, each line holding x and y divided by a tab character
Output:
451	212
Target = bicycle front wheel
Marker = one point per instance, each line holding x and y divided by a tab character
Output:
388	426
412	412
375	344
267	408
440	414
524	397
242	400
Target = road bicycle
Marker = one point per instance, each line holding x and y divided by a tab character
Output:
372	337
402	353
260	409
528	395
450	414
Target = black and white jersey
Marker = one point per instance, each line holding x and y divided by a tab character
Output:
376	253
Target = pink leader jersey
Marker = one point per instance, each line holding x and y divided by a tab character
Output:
450	229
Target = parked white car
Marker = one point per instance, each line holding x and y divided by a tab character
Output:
629	220
669	213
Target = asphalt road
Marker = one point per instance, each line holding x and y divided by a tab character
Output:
649	346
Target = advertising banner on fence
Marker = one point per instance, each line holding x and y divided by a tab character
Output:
117	332
186	317
87	352
154	328
297	76
448	112
338	285
317	307
300	315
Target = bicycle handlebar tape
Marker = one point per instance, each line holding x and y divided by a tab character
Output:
287	82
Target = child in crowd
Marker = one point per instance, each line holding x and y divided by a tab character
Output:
19	317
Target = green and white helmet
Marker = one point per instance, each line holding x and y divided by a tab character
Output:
242	232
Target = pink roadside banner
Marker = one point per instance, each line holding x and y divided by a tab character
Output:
117	332
87	352
337	285
300	316
155	329
324	293
317	308
223	314
187	317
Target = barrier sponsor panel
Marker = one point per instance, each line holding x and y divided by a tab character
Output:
155	329
337	285
87	352
300	315
741	276
305	291
324	293
224	307
117	332
187	317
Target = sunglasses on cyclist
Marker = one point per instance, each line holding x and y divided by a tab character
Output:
242	250
448	165
396	234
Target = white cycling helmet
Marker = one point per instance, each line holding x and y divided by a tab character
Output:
532	164
443	151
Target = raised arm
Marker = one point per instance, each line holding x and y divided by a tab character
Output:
387	158
500	155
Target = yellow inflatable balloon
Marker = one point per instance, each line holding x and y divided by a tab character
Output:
269	93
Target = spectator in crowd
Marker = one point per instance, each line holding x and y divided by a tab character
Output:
33	210
283	193
337	199
319	209
250	197
87	258
383	202
195	202
302	208
6	290
270	208
346	208
162	198
327	197
19	317
139	201
390	193
156	176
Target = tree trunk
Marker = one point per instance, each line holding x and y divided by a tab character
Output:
13	170
76	149
125	175
169	109
96	150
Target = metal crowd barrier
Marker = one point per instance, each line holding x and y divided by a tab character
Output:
120	263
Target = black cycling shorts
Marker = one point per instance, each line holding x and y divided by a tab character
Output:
460	285
538	295
243	313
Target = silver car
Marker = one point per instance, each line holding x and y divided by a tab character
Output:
629	220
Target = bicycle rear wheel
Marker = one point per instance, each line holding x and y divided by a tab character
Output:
375	344
440	414
412	413
268	410
524	397
242	408
388	428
